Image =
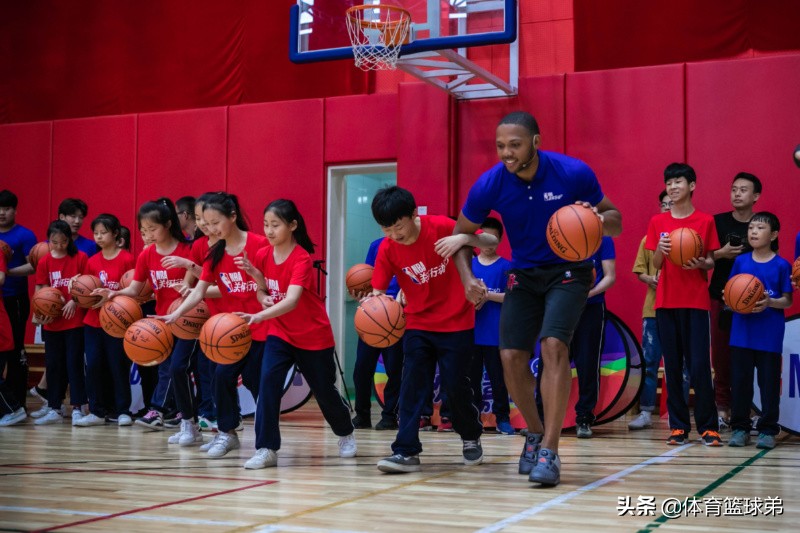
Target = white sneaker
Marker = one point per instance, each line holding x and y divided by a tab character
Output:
124	420
52	417
89	420
175	438
263	458
33	393
347	446
207	446
13	418
240	427
77	416
190	434
225	442
39	413
642	421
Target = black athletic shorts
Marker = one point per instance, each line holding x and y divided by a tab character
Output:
543	302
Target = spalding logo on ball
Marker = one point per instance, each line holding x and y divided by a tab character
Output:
574	232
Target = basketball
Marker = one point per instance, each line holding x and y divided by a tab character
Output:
6	249
48	301
796	271
742	292
359	278
145	293
686	244
574	232
39	250
148	342
81	290
225	338
188	325
117	314
380	321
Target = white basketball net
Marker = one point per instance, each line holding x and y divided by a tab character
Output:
377	33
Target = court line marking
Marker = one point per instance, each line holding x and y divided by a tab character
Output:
660	459
152	507
56	469
168	519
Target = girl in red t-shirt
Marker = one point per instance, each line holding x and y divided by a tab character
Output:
236	291
299	332
63	336
102	350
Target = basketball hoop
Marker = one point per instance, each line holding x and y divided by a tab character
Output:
377	33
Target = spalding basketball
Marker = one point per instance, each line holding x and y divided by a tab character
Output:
686	244
81	290
225	338
39	250
117	315
188	325
380	321
6	250
48	301
796	272
359	278
145	293
574	232
148	342
742	292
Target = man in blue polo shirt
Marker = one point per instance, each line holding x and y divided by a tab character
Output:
545	295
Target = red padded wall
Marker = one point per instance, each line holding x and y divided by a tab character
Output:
361	128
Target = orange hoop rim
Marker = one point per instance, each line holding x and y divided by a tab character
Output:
353	15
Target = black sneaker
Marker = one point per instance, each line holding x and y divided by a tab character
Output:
527	459
547	470
360	422
473	452
386	424
583	431
399	464
173	420
152	420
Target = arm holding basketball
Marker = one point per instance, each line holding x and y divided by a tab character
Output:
293	294
131	290
703	263
609	215
474	289
783	302
662	250
192	299
22	270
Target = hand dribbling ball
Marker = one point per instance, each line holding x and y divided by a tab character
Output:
380	321
742	292
188	325
117	315
148	342
686	244
81	290
574	232
225	338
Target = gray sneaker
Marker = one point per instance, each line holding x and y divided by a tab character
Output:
739	438
643	420
765	442
533	441
547	470
473	452
399	464
584	431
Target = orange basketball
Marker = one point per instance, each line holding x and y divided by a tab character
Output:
6	250
686	244
148	342
359	278
145	293
117	315
742	292
796	272
39	250
188	325
48	301
225	338
574	232
81	290
380	321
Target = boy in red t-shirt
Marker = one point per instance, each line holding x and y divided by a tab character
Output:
439	323
682	308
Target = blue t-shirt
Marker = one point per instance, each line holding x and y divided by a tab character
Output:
87	246
764	330
797	245
487	318
21	240
606	252
526	207
372	253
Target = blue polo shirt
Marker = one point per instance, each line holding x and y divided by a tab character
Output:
526	207
607	251
21	240
87	246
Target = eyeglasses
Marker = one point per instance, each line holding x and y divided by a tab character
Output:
666	204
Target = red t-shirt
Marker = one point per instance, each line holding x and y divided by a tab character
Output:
307	326
57	273
148	265
200	250
679	288
109	271
433	288
6	335
237	288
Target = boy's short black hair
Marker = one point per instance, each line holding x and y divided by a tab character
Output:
185	203
8	199
391	204
522	118
493	223
679	170
769	218
751	178
661	196
69	206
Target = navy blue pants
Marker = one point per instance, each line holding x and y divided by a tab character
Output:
364	378
105	355
422	351
8	400
744	362
163	399
204	376
585	350
63	355
180	361
686	341
226	380
489	357
318	369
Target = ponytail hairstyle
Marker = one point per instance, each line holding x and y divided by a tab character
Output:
163	213
228	206
200	202
124	239
110	222
287	211
59	226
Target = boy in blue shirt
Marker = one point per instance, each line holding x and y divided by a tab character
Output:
757	338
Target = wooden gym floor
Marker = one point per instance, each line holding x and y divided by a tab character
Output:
60	478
